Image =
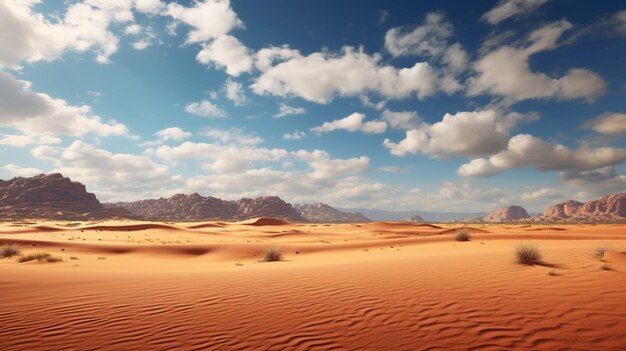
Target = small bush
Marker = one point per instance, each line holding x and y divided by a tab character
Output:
462	235
272	254
528	254
605	267
599	251
40	257
552	273
9	250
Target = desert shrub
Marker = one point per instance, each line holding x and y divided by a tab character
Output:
605	267
9	250
462	235
528	254
41	257
272	254
600	250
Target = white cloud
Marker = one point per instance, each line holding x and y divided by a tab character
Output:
18	171
234	92
25	140
321	76
402	120
527	151
608	124
152	7
141	44
296	135
394	169
209	19
429	39
326	168
172	133
286	110
505	72
133	29
352	123
542	194
227	52
464	133
508	8
112	176
39	115
233	135
205	108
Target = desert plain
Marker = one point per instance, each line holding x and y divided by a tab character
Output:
124	285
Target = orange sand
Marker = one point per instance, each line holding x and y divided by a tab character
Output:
378	286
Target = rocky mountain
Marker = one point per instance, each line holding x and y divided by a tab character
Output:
608	208
416	218
51	196
195	207
322	213
506	214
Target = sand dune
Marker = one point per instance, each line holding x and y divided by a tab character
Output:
392	286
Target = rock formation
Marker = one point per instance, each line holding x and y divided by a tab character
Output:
51	196
195	207
322	213
416	218
608	208
506	214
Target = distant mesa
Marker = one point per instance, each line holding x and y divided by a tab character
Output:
52	196
322	213
506	214
416	219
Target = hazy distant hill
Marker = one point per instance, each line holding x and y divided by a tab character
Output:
383	215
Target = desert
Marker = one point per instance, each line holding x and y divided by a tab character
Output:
128	285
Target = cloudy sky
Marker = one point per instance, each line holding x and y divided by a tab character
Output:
432	105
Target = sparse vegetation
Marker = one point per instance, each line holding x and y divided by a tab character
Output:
40	257
462	235
605	267
599	251
9	250
73	258
272	254
552	273
528	254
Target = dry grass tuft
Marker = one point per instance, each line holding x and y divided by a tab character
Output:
600	250
606	267
462	235
9	250
528	254
40	257
272	254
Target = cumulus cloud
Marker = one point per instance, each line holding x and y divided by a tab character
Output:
172	133
205	108
38	114
464	133
209	19
402	120
352	123
542	194
233	135
19	171
505	72
234	92
321	76
296	135
85	26
509	8
608	124
286	110
527	151
227	52
326	168
113	176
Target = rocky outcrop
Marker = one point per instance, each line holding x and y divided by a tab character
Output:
609	208
195	207
51	196
416	219
506	214
322	213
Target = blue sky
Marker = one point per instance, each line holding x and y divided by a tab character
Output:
447	105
